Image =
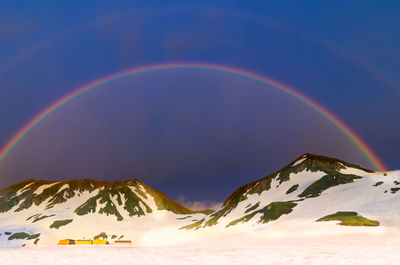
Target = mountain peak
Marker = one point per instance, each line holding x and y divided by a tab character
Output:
130	196
308	176
319	162
306	162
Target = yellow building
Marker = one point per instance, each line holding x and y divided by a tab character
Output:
66	242
97	241
83	242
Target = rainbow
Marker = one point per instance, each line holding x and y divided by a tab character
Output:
358	142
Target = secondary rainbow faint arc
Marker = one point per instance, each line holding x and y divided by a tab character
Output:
360	144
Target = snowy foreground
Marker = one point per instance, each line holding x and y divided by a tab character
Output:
354	249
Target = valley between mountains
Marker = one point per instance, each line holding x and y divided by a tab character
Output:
313	195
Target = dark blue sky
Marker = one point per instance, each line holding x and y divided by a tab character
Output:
197	134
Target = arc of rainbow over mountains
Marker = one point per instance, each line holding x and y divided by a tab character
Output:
358	142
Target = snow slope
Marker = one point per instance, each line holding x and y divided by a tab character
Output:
314	187
125	210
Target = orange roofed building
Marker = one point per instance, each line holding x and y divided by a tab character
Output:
123	242
66	242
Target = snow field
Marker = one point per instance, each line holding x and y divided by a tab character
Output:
337	250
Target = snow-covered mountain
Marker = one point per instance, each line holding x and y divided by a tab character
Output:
311	195
43	212
308	193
